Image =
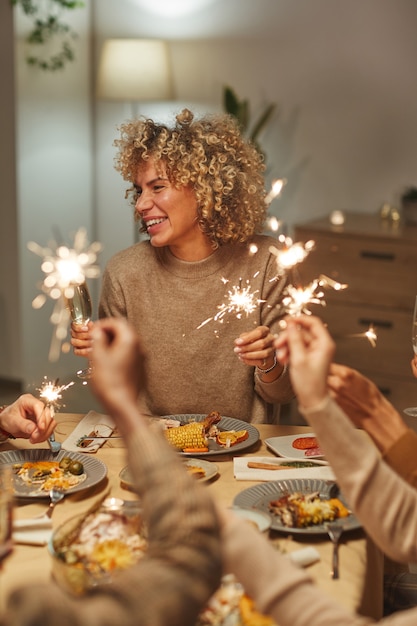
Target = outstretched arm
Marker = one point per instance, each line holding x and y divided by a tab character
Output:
182	565
385	504
366	406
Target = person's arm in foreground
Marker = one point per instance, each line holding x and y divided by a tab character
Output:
384	503
279	588
28	418
181	568
370	410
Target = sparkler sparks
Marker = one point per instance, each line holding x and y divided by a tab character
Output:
296	299
329	282
50	392
64	269
291	254
369	334
275	190
239	300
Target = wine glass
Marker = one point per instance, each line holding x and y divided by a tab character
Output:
412	411
80	310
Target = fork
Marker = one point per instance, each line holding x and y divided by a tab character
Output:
335	532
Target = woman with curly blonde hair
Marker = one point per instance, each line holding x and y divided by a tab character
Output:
198	192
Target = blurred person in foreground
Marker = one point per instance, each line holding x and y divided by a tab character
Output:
181	567
371	411
384	503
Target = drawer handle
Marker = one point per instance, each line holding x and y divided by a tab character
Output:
379	323
379	256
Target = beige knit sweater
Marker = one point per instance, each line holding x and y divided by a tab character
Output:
192	367
177	575
384	503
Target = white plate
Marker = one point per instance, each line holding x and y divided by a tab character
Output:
259	497
211	470
95	469
226	423
283	447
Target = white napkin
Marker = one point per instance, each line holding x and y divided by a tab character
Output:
92	423
243	472
304	556
35	531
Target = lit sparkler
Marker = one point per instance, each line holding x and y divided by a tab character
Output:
51	393
239	300
291	254
325	281
369	334
275	190
64	268
296	299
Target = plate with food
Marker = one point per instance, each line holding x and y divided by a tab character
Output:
36	471
299	506
207	435
230	605
199	468
305	446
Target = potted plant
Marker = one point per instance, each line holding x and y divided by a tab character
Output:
240	109
48	26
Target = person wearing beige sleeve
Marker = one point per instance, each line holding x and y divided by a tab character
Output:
28	418
384	503
181	568
370	410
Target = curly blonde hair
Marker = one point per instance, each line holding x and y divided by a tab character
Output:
210	155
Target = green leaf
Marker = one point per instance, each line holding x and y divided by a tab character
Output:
230	101
262	121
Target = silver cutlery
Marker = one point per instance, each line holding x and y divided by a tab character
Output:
55	496
335	532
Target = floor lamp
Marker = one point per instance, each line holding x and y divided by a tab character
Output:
134	70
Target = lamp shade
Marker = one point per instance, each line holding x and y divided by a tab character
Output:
134	69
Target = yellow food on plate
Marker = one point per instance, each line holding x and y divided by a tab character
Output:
249	614
190	436
198	472
298	510
193	437
44	475
230	438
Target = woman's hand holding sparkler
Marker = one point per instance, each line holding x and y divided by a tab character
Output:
308	348
256	348
29	418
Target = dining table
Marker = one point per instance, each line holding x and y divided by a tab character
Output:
358	588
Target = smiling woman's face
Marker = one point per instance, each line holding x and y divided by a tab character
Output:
170	214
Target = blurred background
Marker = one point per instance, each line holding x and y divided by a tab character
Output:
342	76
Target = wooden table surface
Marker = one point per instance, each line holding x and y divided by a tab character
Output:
361	563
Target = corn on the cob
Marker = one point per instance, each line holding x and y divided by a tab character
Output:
187	436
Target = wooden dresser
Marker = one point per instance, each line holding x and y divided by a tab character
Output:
378	260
